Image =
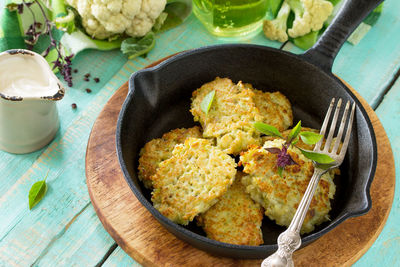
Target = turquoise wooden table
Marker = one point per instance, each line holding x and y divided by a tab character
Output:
63	229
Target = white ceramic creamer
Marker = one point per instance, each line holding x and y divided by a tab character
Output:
28	94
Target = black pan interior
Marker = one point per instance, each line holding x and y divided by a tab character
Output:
159	101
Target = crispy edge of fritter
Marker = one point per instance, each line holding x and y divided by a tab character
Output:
159	149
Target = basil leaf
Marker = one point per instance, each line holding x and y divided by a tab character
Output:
310	138
207	102
36	193
294	132
267	129
134	47
317	157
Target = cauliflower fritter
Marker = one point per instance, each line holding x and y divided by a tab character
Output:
235	109
192	180
275	108
235	219
280	196
160	149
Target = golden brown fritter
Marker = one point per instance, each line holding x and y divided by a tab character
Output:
275	108
157	150
192	180
235	219
280	196
234	110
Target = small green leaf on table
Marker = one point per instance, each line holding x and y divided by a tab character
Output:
205	105
37	192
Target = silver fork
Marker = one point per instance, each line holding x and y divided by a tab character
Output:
290	240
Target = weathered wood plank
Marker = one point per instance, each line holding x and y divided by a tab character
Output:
119	259
70	249
385	250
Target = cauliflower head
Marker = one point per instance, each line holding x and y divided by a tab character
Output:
106	18
310	15
276	29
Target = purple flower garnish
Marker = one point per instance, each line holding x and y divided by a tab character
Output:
284	159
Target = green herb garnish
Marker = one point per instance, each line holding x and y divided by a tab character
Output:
207	102
294	133
284	159
310	138
317	157
37	192
267	129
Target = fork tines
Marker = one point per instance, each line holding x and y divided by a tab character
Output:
345	118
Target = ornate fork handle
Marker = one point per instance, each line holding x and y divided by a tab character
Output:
290	240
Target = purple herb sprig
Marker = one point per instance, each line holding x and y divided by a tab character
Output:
284	159
62	62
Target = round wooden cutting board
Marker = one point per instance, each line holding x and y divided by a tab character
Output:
145	240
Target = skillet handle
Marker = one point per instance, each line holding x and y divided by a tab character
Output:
346	21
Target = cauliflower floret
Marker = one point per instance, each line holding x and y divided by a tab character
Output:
140	26
105	18
310	15
276	29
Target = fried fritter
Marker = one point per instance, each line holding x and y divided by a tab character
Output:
235	219
275	108
280	196
192	180
157	150
234	110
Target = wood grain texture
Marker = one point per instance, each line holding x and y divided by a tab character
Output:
144	239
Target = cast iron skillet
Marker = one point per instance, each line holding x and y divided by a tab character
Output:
159	101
